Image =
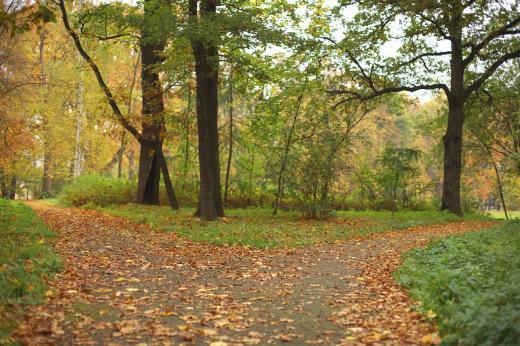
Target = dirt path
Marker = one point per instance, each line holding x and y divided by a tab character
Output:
126	284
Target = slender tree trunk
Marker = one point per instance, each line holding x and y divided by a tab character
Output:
206	70
453	138
187	139
131	162
46	180
499	182
121	155
12	188
288	142
230	149
3	184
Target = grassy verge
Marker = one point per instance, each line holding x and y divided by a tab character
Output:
470	285
499	214
27	260
257	227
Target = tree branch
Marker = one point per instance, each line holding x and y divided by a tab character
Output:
490	70
389	90
504	30
113	104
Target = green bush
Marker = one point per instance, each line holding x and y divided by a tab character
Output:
27	261
471	283
98	190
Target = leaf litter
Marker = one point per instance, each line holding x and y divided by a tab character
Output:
125	283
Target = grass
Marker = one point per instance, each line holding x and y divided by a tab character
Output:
495	214
470	285
27	261
258	228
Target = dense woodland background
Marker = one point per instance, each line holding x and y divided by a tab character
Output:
300	105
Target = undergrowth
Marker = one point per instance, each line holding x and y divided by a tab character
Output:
470	284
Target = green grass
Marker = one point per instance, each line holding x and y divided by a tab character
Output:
513	214
258	228
27	260
471	284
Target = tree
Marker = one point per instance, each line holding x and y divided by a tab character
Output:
152	161
477	36
205	52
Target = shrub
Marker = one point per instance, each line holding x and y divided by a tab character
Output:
471	283
98	190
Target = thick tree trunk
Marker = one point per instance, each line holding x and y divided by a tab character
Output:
153	115
453	159
453	138
206	70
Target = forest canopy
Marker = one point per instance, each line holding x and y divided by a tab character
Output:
315	106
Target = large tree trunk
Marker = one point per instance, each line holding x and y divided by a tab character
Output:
206	70
153	114
453	138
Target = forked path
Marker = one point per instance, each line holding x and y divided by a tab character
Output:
124	283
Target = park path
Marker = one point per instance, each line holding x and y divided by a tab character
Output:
126	284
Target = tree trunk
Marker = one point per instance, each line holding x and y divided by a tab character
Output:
12	188
187	139
153	114
121	155
453	159
3	184
131	160
230	149
80	115
499	182
453	138
206	69
279	190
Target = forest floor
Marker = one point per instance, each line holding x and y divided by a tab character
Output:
125	283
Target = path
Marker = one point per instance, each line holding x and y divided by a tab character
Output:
124	283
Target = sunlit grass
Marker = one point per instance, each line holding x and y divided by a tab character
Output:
499	214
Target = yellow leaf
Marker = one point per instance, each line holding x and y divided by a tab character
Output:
430	314
430	339
49	293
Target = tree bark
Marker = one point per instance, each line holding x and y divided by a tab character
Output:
3	184
121	155
153	115
187	139
206	69
499	182
230	143
12	188
453	138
